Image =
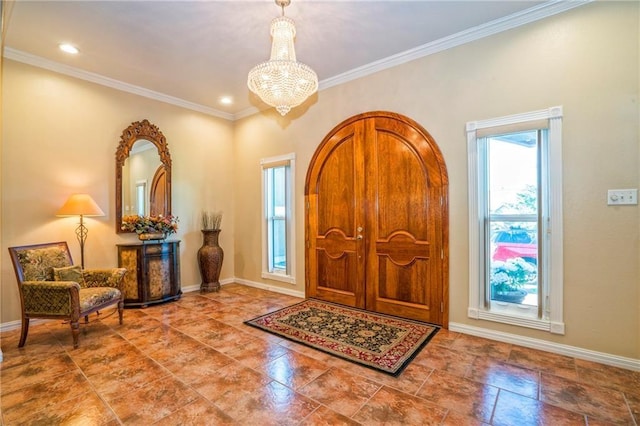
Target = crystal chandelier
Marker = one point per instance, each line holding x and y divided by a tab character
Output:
282	82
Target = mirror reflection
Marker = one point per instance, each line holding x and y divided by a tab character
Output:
140	173
143	173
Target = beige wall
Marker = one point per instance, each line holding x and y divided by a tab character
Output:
586	60
5	12
60	136
638	214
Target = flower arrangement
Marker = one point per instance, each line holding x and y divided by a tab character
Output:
150	224
511	275
211	220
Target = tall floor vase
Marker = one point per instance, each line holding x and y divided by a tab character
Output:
210	257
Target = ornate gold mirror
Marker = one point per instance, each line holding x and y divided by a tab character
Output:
143	174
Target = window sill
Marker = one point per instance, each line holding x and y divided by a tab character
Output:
279	277
518	320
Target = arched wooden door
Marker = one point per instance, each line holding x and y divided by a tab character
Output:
158	204
377	219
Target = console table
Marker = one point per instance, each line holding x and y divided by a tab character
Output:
153	272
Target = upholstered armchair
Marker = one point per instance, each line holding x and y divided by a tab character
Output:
51	287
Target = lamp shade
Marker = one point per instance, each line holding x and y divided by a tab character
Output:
80	205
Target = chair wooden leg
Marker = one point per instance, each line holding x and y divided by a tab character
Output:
120	310
75	331
86	319
24	332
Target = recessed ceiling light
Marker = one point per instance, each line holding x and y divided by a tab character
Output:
226	100
69	48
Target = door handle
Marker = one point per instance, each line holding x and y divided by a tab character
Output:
359	237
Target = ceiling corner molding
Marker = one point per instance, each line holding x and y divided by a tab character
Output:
515	20
40	62
246	113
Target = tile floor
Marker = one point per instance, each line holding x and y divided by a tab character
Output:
193	361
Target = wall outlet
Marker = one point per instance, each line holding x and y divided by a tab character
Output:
617	197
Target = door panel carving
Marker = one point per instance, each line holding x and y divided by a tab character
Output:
377	217
337	262
400	174
336	189
336	274
337	181
401	283
402	248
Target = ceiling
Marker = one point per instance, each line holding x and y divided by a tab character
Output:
197	52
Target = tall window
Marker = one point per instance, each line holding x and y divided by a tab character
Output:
141	204
278	224
515	210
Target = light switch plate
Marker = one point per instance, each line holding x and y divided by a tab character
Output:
618	197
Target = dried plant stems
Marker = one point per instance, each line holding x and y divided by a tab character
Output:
211	220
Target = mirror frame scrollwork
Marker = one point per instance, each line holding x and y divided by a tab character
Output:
141	130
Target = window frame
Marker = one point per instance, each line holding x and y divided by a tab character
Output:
289	275
141	199
550	311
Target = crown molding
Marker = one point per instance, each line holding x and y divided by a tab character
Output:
41	62
246	113
515	20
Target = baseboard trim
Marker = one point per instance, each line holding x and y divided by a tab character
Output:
196	287
250	283
191	288
528	342
275	289
543	345
12	325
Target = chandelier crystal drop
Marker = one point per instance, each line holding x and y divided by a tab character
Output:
282	81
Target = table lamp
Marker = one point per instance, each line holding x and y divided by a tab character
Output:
80	205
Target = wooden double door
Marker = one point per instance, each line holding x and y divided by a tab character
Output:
377	219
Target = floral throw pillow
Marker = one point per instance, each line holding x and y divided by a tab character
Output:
69	273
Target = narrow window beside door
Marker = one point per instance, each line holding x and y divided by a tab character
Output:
277	229
141	198
515	211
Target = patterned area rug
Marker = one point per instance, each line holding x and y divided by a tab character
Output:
378	341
